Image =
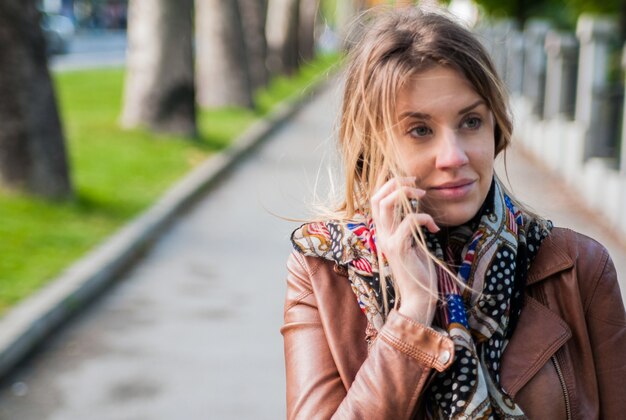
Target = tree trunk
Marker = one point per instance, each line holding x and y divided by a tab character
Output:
282	35
32	150
309	10
253	16
222	71
159	88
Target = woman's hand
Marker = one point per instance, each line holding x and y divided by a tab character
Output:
413	271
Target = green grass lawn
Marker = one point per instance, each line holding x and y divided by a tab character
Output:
116	173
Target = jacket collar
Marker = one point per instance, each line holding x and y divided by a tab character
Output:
550	259
539	332
538	335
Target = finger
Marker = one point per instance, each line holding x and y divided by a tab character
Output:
386	189
402	237
391	185
383	179
393	197
421	219
388	206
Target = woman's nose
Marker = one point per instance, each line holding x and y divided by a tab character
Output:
450	152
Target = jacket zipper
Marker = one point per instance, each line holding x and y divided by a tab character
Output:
559	373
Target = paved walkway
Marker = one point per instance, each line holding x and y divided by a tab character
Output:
549	196
192	331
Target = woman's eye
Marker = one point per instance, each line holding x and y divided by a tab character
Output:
420	131
472	123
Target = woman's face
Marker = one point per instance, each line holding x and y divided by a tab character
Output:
446	140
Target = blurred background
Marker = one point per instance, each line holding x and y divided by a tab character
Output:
106	104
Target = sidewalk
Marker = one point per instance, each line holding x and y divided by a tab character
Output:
192	331
549	196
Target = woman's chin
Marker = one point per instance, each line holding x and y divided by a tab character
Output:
453	215
451	222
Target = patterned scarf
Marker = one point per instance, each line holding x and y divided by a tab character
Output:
491	253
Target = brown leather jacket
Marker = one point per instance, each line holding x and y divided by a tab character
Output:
566	359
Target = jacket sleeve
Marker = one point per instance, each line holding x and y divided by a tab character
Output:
606	323
387	385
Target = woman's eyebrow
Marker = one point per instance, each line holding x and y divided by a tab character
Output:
423	116
416	115
472	106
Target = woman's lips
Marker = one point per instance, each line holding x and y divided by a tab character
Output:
453	190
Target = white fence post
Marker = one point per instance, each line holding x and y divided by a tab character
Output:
515	61
535	63
501	32
594	34
560	95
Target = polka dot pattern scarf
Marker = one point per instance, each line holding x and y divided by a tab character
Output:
492	254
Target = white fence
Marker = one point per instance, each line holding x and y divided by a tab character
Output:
568	104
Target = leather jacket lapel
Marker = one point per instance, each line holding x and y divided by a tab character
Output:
539	332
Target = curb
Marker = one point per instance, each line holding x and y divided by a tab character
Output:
28	324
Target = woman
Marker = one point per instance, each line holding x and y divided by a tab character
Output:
431	292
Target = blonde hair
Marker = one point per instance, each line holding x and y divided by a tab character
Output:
394	46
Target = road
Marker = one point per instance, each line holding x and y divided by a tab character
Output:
94	49
192	331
